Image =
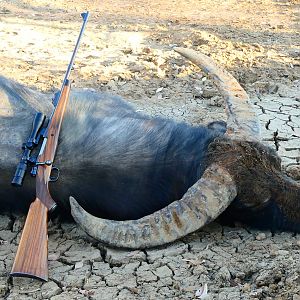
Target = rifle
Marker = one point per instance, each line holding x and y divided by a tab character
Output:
32	255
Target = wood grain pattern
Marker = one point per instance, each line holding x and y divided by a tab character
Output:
32	254
44	171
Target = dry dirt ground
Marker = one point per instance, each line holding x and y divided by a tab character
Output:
127	50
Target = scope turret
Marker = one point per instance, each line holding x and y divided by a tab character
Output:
37	123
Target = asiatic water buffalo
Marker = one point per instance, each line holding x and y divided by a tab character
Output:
143	181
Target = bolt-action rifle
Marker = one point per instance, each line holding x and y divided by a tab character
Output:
32	255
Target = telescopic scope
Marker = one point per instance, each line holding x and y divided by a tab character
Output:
32	142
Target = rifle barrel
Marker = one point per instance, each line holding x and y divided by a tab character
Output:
85	17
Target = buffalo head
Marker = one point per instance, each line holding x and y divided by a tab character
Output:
240	169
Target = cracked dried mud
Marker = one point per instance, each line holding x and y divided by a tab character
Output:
127	51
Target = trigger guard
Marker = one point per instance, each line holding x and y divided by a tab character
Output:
53	178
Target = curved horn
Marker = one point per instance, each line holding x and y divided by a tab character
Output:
202	203
242	123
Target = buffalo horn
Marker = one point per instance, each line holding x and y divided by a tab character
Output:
201	204
242	123
204	201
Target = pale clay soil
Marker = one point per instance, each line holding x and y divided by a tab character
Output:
127	50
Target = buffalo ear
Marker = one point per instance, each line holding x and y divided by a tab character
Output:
219	126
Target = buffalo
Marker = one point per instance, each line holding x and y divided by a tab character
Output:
143	181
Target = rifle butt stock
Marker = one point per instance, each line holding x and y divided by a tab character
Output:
32	255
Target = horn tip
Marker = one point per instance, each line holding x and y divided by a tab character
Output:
75	206
72	201
178	49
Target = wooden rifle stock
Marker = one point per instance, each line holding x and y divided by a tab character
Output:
32	256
